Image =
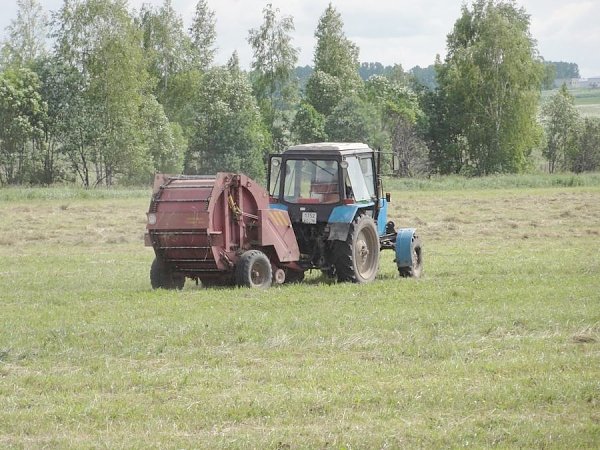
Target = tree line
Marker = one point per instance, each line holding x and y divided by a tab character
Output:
122	94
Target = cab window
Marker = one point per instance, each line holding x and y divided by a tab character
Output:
360	191
311	181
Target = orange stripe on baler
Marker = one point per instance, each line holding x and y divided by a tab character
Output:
283	219
279	218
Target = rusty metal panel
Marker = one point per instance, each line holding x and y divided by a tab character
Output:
202	224
276	230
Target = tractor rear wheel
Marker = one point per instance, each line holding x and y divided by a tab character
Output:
163	277
416	268
254	270
357	258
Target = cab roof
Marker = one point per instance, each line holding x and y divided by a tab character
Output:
330	148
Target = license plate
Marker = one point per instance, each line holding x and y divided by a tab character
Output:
309	217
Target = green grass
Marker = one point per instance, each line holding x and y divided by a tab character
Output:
454	183
70	192
497	346
587	101
586	96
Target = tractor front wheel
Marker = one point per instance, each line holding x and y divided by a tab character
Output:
357	258
254	270
163	277
416	268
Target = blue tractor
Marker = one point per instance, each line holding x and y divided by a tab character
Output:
334	197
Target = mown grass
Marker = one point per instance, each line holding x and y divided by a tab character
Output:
497	346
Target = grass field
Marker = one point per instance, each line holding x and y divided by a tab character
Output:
497	346
587	100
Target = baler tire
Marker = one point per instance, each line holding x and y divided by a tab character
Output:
254	270
416	268
357	258
162	277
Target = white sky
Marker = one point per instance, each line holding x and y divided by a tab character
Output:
408	32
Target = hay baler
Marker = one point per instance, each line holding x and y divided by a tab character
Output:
324	209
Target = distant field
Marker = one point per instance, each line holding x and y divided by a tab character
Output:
497	346
587	101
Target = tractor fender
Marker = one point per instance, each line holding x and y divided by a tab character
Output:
338	231
404	240
340	219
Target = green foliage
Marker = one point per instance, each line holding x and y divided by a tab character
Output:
399	110
164	140
336	64
490	81
167	48
352	120
335	54
558	71
71	129
369	69
564	70
561	122
324	91
203	35
309	124
22	116
441	133
179	98
123	95
587	157
549	76
113	126
26	36
393	98
424	76
273	68
229	132
61	88
303	74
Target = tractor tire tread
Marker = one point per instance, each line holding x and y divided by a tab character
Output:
343	252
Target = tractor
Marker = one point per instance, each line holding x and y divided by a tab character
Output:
324	208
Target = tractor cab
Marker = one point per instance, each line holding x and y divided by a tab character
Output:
311	181
332	193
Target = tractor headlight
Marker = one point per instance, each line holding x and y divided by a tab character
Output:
151	219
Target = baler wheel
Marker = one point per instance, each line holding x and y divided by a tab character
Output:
161	276
357	258
416	268
254	270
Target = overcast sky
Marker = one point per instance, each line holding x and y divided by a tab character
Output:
408	32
